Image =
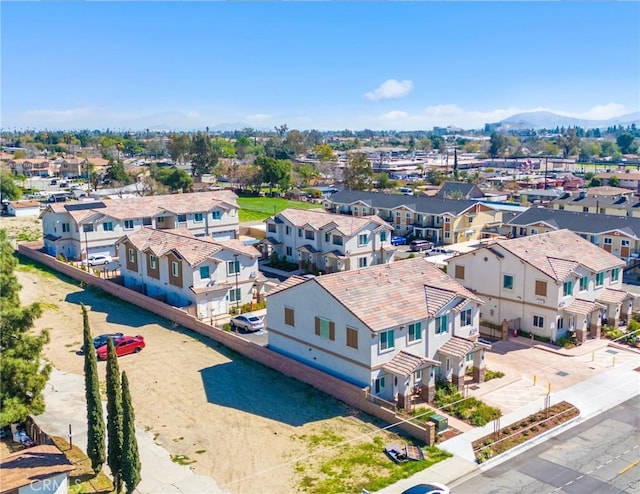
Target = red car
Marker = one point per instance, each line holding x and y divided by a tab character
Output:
124	345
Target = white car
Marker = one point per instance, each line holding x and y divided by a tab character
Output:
98	260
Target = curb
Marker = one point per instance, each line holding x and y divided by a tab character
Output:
520	448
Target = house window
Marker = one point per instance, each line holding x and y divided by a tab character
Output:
128	224
538	322
289	319
541	288
625	243
584	283
198	217
560	323
362	262
309	235
160	219
182	218
378	385
107	226
336	240
441	324
447	235
386	340
327	237
204	272
608	241
534	231
147	221
599	279
352	338
567	288
415	332
523	232
507	282
235	295
289	251
362	240
132	256
447	219
585	209
325	328
615	273
272	228
152	262
216	215
466	318
383	236
175	270
233	267
87	227
300	232
459	272
417	376
65	228
287	230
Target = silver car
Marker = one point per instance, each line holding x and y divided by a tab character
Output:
98	260
248	322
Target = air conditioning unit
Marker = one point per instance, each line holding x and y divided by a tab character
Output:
253	274
211	282
562	304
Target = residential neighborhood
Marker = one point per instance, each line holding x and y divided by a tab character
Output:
320	247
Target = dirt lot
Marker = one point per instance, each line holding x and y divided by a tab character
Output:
232	418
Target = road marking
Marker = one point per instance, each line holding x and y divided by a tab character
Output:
628	467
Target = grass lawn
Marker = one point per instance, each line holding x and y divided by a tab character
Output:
335	464
260	208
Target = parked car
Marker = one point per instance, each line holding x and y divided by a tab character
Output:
419	245
62	185
98	260
123	346
441	251
395	240
101	340
432	488
248	322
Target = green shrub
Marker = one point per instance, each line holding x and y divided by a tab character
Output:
489	374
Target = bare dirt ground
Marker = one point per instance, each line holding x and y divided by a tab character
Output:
236	421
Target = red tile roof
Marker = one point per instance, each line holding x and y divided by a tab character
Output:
559	253
192	249
317	219
388	295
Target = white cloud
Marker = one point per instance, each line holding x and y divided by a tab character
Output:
390	89
601	112
453	115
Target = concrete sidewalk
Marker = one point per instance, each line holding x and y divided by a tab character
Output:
66	406
592	397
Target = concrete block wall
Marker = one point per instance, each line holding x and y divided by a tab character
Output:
343	391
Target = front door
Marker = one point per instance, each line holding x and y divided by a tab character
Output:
624	248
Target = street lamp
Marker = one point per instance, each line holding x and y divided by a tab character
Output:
236	267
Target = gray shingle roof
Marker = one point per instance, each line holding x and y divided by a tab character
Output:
461	189
419	204
588	223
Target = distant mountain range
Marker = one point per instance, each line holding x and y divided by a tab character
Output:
549	120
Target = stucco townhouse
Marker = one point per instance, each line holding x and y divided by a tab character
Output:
614	201
326	242
554	284
618	235
205	276
393	329
78	229
441	220
33	167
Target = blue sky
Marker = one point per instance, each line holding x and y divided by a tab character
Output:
323	65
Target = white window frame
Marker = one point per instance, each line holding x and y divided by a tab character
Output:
128	224
175	269
233	267
363	239
414	328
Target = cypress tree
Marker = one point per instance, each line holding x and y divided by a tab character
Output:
130	456
95	420
114	417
